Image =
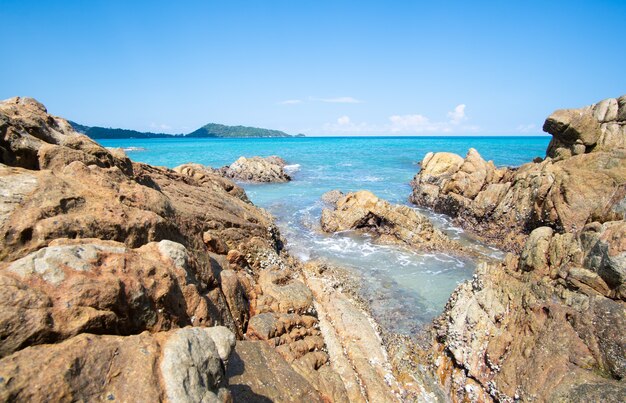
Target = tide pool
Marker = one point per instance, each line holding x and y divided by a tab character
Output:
405	289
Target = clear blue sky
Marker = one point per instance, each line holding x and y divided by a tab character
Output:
317	67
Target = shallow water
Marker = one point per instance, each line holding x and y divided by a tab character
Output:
405	289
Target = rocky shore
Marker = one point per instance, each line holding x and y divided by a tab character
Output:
125	281
389	223
546	324
120	279
582	179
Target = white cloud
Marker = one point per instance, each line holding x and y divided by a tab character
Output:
409	123
343	120
344	125
160	126
290	102
406	124
457	115
340	100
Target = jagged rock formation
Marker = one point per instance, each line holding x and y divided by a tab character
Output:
256	169
502	206
390	223
114	274
183	365
546	324
599	127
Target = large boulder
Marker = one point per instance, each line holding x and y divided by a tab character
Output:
601	126
31	138
501	206
501	328
389	223
93	243
583	179
184	365
95	286
257	169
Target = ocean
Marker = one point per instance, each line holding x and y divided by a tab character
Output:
405	289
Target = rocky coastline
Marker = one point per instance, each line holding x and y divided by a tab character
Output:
121	279
547	323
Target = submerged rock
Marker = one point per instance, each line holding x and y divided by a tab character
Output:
389	223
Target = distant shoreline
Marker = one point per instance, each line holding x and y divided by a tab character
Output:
430	136
210	130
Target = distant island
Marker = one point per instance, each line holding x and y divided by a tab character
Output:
211	130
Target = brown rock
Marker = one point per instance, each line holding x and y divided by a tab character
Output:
95	286
257	169
596	127
182	365
501	327
510	203
364	212
210	178
32	139
257	373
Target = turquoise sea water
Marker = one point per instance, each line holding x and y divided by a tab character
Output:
405	289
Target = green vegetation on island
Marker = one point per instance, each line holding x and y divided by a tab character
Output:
211	130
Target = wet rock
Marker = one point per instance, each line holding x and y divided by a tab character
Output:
364	212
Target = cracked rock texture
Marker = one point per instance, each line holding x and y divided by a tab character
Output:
256	169
362	211
123	281
548	323
565	191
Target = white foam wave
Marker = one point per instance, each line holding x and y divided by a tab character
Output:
291	168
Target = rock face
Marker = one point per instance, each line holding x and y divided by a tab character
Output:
183	365
364	212
599	127
124	281
256	169
502	206
546	324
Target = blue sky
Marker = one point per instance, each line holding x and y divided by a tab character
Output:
317	67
